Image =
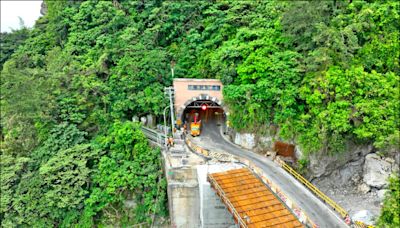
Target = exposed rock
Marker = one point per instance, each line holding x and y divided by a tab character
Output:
271	154
323	182
322	164
286	159
43	8
364	216
356	178
397	158
297	152
348	174
143	119
390	160
151	120
349	171
364	188
376	171
245	140
381	194
266	141
395	168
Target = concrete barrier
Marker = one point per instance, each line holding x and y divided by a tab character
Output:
197	149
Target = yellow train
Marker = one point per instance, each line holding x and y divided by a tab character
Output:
195	126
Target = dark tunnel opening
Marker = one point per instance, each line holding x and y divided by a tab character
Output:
202	115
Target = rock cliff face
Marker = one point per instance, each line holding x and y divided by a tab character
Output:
252	141
245	140
341	166
377	170
43	8
368	172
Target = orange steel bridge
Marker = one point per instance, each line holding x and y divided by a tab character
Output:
251	203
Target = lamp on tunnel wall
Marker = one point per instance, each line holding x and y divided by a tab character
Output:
203	107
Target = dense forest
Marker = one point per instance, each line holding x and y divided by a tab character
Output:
322	72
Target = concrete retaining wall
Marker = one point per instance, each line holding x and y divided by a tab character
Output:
213	213
183	195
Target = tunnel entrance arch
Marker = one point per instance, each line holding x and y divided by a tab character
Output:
212	103
202	115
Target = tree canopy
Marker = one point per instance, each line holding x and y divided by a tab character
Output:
321	72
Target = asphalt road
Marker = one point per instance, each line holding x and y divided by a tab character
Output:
318	211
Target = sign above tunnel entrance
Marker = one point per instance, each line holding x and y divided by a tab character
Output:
194	93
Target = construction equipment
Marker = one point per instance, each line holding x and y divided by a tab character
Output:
195	126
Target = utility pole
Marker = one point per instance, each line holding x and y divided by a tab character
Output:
165	128
170	91
172	69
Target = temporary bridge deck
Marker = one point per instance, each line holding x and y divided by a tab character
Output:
251	203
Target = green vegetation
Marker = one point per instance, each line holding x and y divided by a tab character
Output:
390	216
322	72
69	181
10	42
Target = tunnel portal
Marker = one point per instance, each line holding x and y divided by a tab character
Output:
205	111
198	97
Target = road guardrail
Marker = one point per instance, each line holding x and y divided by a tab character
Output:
154	136
343	213
359	224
